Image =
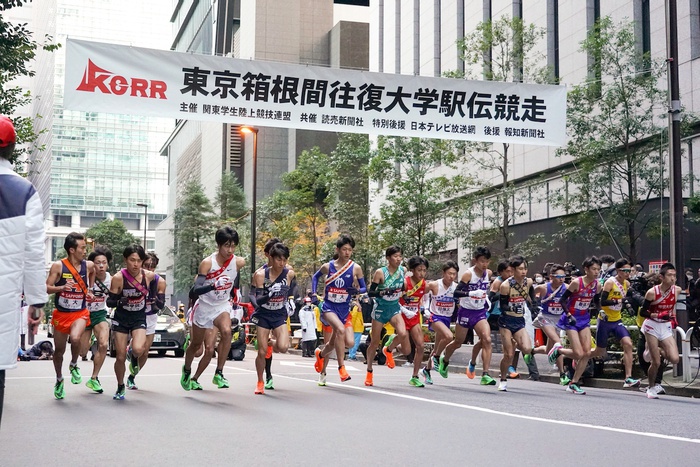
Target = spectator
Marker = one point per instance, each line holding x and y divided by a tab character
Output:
22	264
380	358
307	318
40	351
367	305
36	315
358	327
237	351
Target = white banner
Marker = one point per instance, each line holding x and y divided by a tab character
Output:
130	80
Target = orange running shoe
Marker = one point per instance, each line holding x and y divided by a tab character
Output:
344	376
368	379
389	357
318	366
471	370
260	389
268	354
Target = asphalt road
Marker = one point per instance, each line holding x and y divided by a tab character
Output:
454	422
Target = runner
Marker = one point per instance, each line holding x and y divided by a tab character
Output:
550	295
505	272
442	307
659	309
411	301
218	277
577	321
610	319
71	280
156	297
474	305
387	287
517	294
272	285
97	304
128	293
340	274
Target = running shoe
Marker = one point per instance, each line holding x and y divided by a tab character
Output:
185	378
426	376
575	389
322	379
344	376
651	393
564	379
269	384
131	382
120	394
442	366
187	343
470	370
268	354
631	383
659	389
414	381
59	391
436	363
487	380
389	357
220	381
75	376
527	358
553	353
503	386
512	374
94	384
389	340
194	385
134	366
369	380
260	388
318	365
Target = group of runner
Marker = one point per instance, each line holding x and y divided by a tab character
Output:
84	289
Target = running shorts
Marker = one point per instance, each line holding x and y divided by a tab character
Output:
384	316
511	323
269	320
97	317
327	327
125	321
605	328
468	318
582	322
62	320
660	330
446	320
204	318
151	322
411	322
546	319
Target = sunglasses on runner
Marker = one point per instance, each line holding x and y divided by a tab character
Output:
625	270
559	276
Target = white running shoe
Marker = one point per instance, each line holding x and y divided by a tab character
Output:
659	389
651	393
322	379
503	386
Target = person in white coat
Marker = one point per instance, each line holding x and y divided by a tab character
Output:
307	319
22	266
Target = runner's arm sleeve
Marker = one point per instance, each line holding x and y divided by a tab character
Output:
504	302
160	301
605	300
532	296
113	300
462	290
314	281
373	291
565	296
261	297
644	311
199	287
363	285
292	288
253	298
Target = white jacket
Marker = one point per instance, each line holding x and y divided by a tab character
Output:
307	319
22	266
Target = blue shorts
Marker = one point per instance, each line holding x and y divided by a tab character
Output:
605	328
468	318
582	322
446	320
269	320
341	314
511	323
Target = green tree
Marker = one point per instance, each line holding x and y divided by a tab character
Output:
509	50
348	197
230	198
616	128
192	234
17	50
113	235
419	175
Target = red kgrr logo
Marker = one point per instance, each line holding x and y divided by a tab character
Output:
96	78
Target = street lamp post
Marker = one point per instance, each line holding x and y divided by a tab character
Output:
145	221
247	130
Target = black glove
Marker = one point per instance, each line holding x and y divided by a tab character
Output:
571	320
352	290
124	301
314	299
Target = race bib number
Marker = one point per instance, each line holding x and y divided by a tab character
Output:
337	295
96	303
555	308
275	303
444	307
582	304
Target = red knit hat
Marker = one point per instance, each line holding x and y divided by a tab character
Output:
7	132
